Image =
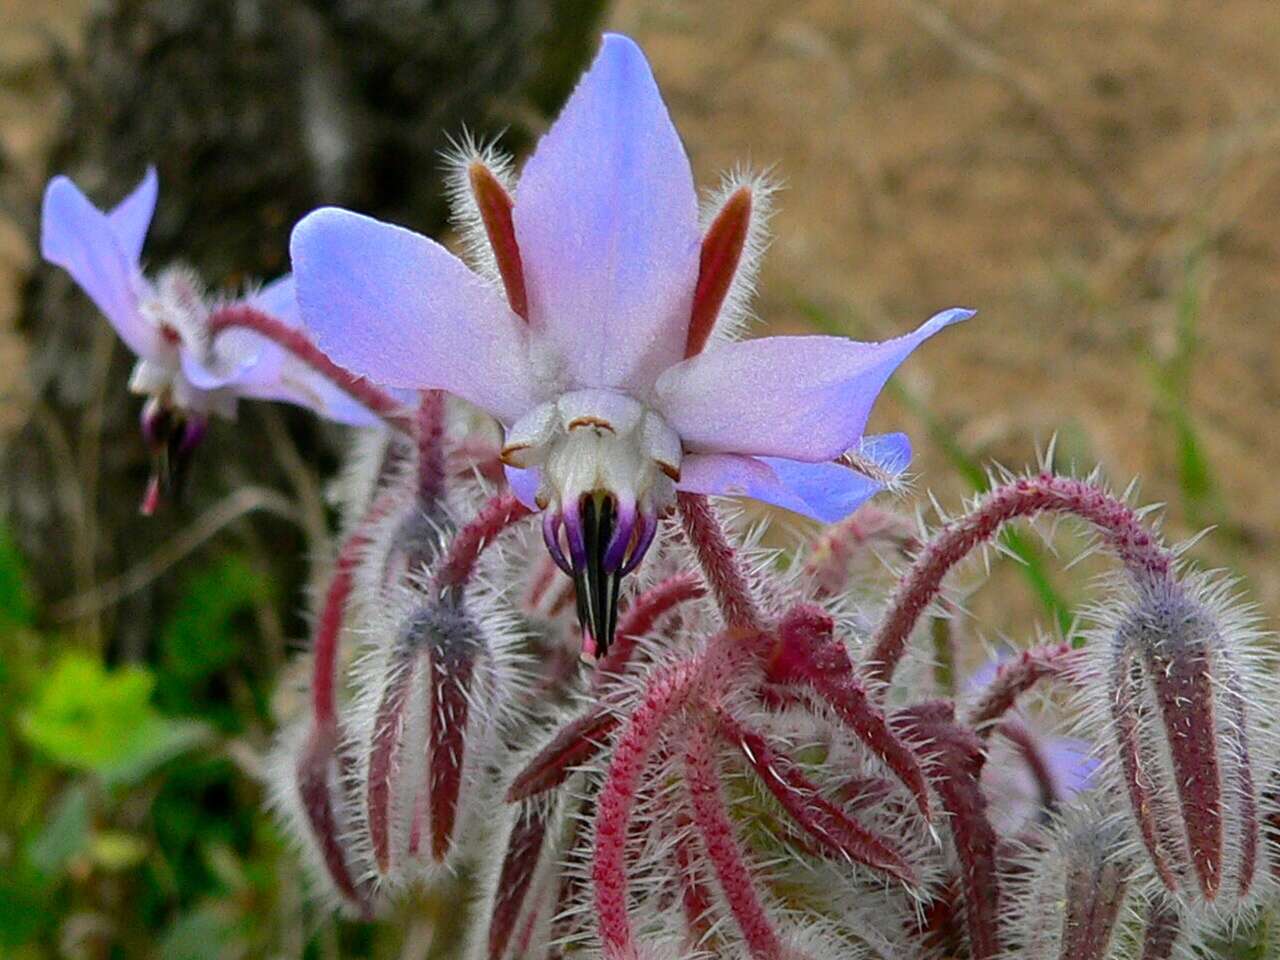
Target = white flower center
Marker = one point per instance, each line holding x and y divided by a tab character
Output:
597	442
178	310
609	467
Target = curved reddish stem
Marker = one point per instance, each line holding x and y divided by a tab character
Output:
315	774
617	797
721	846
719	562
300	345
515	876
1146	560
1028	747
1015	677
575	743
830	554
639	618
827	825
384	748
695	898
500	512
954	764
431	458
328	629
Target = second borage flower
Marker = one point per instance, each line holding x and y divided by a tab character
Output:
608	360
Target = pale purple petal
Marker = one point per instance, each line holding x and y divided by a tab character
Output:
824	491
258	368
1071	763
279	298
393	306
131	218
79	237
524	484
607	220
804	398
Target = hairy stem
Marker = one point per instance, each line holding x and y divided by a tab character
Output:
833	832
1015	678
1146	560
430	437
640	617
617	797
240	316
719	562
328	629
721	846
500	512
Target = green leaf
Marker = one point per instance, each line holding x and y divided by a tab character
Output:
204	635
16	606
117	850
65	836
23	914
103	722
208	933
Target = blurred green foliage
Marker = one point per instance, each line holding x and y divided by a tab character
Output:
126	826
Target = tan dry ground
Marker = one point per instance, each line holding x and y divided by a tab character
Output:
968	153
1054	165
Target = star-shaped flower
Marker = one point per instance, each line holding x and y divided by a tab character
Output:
185	374
606	359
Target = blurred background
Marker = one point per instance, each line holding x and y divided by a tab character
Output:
1100	179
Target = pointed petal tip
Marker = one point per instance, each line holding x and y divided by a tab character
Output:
946	318
81	239
60	194
131	218
891	451
620	45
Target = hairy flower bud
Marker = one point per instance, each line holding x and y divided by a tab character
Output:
1073	889
431	700
1180	703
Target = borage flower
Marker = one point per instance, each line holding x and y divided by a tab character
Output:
607	360
184	368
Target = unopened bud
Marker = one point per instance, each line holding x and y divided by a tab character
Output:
1178	705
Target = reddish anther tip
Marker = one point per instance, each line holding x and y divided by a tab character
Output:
150	498
721	252
495	206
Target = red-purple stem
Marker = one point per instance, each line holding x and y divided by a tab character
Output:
616	799
1028	747
828	826
300	345
1145	797
500	512
515	876
384	750
431	457
719	562
1143	556
1015	677
721	845
450	676
954	763
640	617
829	556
